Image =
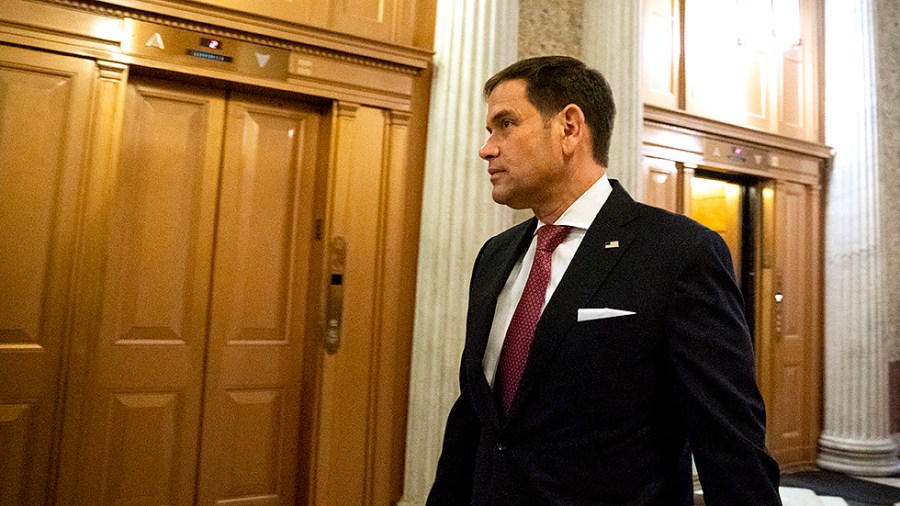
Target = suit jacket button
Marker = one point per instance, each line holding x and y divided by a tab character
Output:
501	447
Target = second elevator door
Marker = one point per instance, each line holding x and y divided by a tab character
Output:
195	382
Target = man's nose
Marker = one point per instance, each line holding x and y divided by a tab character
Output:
488	150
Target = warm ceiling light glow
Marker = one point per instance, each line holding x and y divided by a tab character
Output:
107	29
769	25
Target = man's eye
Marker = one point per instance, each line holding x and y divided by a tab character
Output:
507	123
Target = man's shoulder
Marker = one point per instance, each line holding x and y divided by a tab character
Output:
655	218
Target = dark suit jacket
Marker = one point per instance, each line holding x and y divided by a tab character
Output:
606	408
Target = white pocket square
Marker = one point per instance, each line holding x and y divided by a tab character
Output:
598	313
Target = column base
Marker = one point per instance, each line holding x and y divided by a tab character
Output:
878	457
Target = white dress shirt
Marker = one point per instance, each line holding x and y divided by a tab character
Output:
579	216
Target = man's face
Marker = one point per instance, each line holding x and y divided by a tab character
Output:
522	150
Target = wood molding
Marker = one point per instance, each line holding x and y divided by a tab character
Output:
336	67
695	123
209	19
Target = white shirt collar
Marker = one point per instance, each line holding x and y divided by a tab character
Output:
582	212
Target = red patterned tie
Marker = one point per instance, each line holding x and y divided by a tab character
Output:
520	334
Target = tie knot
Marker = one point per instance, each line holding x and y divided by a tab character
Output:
550	236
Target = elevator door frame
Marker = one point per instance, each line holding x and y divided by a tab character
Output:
366	87
72	488
787	302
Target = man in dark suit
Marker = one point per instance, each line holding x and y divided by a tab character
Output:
605	340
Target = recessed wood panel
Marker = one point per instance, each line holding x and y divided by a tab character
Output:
162	183
662	53
33	162
304	12
142	450
264	207
373	19
662	184
793	97
788	428
755	104
16	424
254	437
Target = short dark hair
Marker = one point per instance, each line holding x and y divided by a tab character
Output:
553	82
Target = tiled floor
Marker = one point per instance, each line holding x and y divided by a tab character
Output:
804	497
791	496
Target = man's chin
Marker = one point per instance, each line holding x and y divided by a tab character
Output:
507	200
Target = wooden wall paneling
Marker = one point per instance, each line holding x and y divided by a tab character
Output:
685	180
360	425
765	304
347	388
799	80
757	87
713	72
44	105
813	416
662	53
104	145
789	425
792	106
732	74
261	282
303	12
139	436
374	19
662	184
421	15
143	276
396	313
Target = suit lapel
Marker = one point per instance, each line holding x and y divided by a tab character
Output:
603	244
496	265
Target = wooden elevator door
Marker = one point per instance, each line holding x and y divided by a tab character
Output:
195	378
44	99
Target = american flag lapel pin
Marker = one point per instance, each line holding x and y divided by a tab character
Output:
611	244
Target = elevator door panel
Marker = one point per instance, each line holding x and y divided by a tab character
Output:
259	304
194	390
792	398
143	403
44	100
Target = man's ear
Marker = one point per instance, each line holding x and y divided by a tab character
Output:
574	128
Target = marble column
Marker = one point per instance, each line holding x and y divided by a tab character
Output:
473	40
887	65
856	437
611	43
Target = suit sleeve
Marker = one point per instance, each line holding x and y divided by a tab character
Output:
712	360
454	479
456	467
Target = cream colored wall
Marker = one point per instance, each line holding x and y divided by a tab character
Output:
887	68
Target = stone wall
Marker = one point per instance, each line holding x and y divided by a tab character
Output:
887	67
549	27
